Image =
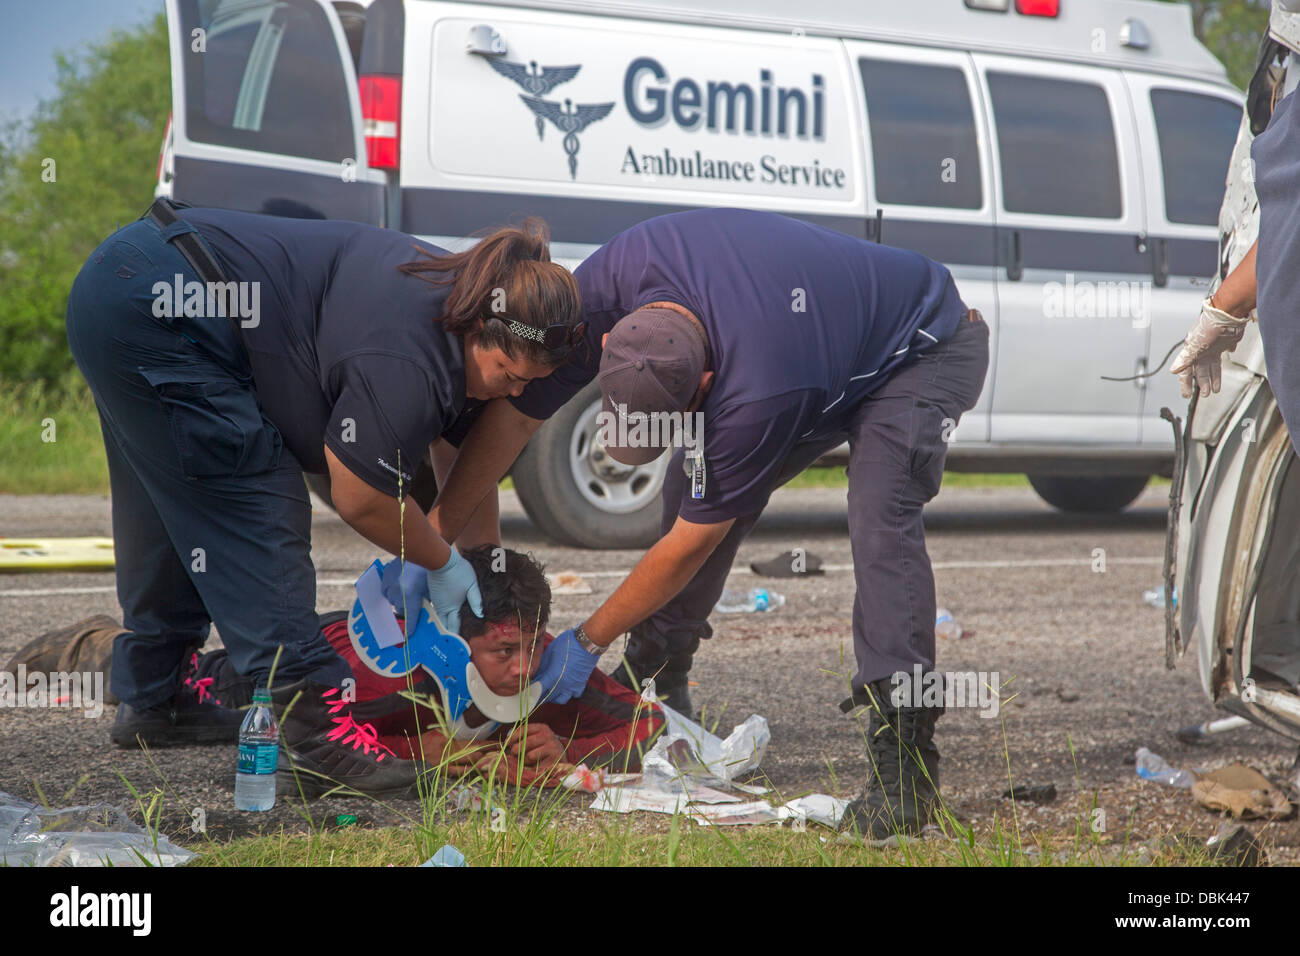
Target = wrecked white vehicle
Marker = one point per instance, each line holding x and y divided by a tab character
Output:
1233	547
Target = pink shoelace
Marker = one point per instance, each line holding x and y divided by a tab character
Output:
346	730
201	686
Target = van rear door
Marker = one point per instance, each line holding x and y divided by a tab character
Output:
266	112
1187	131
1074	273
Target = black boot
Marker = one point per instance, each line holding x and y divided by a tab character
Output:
189	719
647	657
326	747
902	791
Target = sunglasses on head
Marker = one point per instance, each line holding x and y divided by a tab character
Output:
552	338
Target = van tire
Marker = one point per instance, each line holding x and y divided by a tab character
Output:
544	479
424	488
1091	494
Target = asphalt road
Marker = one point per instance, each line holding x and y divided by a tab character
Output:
1074	647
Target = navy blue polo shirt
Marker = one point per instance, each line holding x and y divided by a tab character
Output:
803	322
346	351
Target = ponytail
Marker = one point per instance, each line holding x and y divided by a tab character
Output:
507	274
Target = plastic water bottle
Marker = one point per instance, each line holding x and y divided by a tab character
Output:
741	602
1155	768
946	626
259	750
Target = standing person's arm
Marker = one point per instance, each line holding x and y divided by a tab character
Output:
484	525
493	443
1219	328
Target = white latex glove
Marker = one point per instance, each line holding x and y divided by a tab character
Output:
1199	363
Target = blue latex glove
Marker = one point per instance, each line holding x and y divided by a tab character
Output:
566	666
404	585
449	587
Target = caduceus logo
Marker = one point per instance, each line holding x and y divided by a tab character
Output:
569	118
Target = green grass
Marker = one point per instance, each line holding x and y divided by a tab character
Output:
50	441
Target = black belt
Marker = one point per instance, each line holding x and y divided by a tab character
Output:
195	252
163	214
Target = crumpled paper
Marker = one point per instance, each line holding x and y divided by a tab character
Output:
1242	792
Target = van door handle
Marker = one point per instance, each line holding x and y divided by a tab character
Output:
876	226
1015	266
1160	263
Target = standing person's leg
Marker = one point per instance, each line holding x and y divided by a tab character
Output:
898	450
663	646
211	520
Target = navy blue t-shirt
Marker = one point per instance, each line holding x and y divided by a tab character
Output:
346	351
803	323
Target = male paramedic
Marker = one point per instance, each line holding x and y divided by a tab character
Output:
790	339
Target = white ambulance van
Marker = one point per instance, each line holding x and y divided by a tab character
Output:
1064	158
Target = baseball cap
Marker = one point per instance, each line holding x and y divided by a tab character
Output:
651	364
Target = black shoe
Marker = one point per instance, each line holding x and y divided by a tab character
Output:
902	792
645	658
324	748
184	721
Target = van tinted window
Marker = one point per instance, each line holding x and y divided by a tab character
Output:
1197	134
269	78
1056	144
923	142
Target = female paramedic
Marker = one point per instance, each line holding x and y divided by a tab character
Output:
227	353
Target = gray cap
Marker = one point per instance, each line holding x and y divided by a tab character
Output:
651	363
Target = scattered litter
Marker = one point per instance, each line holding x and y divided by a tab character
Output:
789	564
746	602
1156	597
568	582
1066	696
346	819
816	807
1242	792
686	747
98	835
735	814
465	798
583	778
447	856
1235	845
1040	794
1155	768
946	626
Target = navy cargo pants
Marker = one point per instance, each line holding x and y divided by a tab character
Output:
897	440
211	519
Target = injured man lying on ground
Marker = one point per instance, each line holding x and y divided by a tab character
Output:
607	726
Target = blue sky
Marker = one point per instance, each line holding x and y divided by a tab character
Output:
35	30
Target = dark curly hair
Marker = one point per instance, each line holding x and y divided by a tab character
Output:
514	588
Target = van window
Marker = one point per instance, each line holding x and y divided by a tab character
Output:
1197	134
1056	144
269	78
923	142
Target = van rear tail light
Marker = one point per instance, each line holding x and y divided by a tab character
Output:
1038	8
381	111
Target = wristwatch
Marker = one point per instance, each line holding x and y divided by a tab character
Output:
592	647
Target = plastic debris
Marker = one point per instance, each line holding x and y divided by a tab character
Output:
744	602
95	835
946	626
447	856
686	747
815	808
1155	768
1156	597
734	814
346	819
